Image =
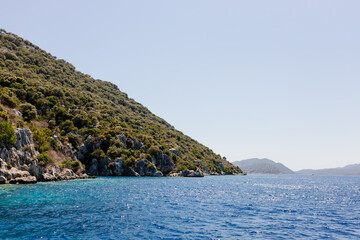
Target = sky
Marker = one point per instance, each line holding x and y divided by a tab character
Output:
250	79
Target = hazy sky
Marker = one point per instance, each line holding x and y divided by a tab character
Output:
274	79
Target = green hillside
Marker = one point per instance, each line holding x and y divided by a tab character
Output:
56	100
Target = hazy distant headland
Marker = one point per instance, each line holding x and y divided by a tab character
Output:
262	166
267	166
348	170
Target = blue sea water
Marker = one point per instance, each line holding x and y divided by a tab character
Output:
214	207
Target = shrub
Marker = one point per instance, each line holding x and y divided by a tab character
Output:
191	167
148	157
67	126
52	124
117	143
52	101
54	144
28	111
150	166
9	166
153	151
7	100
180	168
114	152
89	131
43	148
20	124
81	120
130	162
73	165
167	152
98	153
73	139
44	159
7	133
41	137
4	116
111	165
174	157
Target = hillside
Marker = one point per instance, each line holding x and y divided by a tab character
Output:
349	170
78	121
266	166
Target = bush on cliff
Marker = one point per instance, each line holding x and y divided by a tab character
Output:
28	111
4	116
7	133
8	100
98	154
44	159
73	165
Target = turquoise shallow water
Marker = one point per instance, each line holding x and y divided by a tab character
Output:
216	207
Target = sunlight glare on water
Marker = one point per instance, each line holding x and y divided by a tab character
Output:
214	207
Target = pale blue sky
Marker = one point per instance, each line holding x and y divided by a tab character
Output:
274	79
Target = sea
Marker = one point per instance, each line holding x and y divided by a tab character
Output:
213	207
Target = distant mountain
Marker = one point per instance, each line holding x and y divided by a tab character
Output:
349	170
267	166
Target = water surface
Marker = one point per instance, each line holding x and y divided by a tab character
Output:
214	207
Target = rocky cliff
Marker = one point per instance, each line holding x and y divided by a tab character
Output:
19	163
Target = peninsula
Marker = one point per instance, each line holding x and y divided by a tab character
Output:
57	123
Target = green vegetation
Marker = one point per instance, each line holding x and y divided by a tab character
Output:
55	99
28	111
7	133
73	165
44	159
4	116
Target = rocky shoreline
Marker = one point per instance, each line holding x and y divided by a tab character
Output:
16	176
19	163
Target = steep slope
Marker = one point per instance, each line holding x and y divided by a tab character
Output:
267	166
110	133
349	170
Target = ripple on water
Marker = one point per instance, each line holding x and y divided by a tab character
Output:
226	207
